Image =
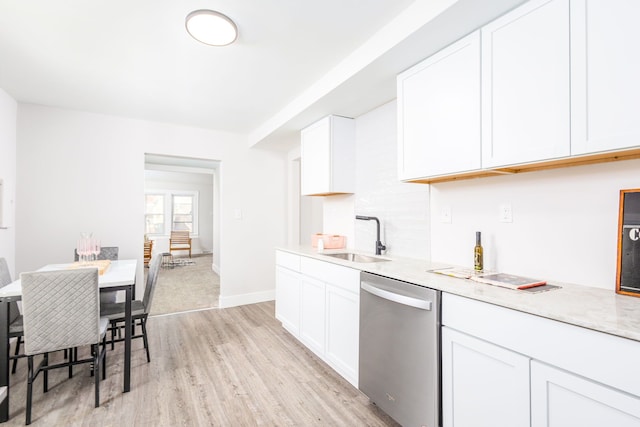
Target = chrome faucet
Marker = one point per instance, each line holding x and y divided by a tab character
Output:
379	246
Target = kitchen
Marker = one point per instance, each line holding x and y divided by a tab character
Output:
564	219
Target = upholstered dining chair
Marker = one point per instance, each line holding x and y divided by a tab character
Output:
139	309
61	310
106	253
15	318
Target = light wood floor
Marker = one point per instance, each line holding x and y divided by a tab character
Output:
220	367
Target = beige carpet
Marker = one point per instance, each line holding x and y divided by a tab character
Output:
186	287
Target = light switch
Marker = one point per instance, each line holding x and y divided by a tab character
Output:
237	213
506	214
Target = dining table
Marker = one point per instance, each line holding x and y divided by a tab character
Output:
120	275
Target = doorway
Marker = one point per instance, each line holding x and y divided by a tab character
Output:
183	194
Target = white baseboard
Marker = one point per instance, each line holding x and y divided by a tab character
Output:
244	299
215	268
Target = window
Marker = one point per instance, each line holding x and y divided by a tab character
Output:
167	210
154	214
182	212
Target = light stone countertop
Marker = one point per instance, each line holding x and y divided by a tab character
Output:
598	309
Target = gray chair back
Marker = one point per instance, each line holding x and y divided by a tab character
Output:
5	279
61	309
106	252
152	278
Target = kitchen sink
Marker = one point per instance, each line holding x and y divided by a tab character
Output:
350	256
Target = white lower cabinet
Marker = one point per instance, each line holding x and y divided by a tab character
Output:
560	398
482	384
288	284
343	332
319	303
312	315
502	367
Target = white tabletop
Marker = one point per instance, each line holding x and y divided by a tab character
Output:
119	273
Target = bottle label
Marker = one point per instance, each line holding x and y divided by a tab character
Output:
477	259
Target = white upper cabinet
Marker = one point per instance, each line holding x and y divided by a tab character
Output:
525	85
328	157
439	112
605	71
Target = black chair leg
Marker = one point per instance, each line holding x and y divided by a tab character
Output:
96	365
45	379
70	361
104	357
143	323
16	353
113	335
29	389
92	365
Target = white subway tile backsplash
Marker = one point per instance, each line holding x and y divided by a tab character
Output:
403	208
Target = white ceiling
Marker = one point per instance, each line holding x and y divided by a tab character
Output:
135	59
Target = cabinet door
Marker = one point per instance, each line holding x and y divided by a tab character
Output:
439	112
525	85
605	65
312	315
559	398
343	318
288	285
315	149
482	384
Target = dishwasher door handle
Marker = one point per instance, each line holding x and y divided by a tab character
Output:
400	299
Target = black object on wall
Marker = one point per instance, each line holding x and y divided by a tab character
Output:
628	270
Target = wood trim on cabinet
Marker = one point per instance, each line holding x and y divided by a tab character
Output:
587	159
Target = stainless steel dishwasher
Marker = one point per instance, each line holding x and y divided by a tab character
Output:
400	349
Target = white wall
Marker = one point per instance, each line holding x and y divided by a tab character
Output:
403	209
8	111
80	171
564	227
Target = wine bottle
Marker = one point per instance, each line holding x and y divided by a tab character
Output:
477	254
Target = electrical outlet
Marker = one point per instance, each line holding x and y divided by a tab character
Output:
506	214
445	215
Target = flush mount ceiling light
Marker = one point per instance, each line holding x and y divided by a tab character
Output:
211	27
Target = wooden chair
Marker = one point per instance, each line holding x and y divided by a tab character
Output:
148	249
61	310
180	241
